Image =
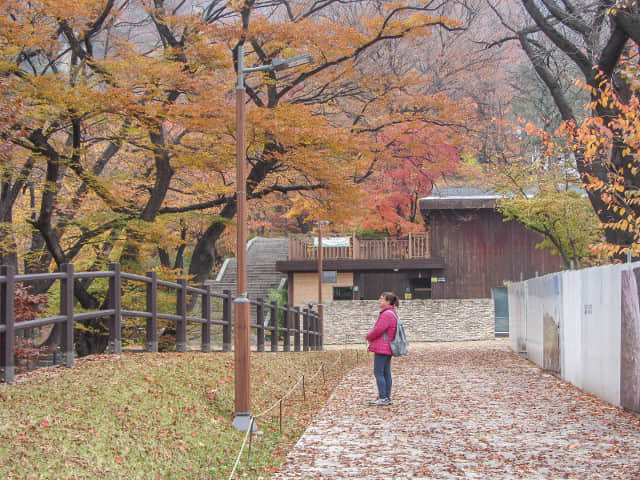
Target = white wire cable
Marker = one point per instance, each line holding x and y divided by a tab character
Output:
242	448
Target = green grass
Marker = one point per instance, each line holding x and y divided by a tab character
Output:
158	416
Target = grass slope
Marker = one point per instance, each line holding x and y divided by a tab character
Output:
159	416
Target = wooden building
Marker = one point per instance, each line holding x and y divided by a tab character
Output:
359	269
478	248
466	251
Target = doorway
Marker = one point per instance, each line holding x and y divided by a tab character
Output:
420	288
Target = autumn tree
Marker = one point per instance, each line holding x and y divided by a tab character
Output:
540	188
594	38
123	139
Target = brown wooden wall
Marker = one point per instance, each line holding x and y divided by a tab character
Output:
372	284
480	251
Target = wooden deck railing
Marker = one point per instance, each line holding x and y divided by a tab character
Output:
303	325
416	245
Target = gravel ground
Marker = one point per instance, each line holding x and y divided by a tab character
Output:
468	410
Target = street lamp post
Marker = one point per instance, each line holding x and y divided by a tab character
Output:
320	304
242	311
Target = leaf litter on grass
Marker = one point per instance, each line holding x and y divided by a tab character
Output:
155	416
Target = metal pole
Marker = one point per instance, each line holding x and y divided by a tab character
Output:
320	305
241	332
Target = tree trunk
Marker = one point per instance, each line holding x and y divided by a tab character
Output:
203	258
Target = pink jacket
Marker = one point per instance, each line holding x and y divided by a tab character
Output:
386	323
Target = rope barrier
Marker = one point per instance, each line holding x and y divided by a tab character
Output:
263	413
279	402
235	466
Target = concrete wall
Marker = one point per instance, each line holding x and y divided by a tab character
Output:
573	320
424	320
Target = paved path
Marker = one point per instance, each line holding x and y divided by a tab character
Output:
470	410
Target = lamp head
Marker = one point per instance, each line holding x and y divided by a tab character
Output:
282	64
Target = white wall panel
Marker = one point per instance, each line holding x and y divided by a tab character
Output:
534	320
517	316
601	332
586	305
551	318
571	328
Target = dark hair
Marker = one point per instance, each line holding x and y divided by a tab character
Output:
391	297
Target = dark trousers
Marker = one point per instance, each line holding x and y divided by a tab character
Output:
382	372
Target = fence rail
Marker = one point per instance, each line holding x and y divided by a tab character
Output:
301	324
415	245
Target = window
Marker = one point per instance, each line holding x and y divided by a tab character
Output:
343	293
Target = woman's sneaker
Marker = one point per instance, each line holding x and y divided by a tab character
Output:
380	402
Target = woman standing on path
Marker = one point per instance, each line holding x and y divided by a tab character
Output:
378	344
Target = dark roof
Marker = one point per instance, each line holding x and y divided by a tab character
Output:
458	198
462	192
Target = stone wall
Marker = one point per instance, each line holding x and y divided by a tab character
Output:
424	320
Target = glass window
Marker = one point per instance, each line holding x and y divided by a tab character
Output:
343	293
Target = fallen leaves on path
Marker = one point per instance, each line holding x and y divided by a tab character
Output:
470	410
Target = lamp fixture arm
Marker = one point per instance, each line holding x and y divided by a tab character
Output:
276	65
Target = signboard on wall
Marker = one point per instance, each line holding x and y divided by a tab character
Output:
330	276
328	242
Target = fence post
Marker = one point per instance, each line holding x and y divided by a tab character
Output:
115	300
287	336
410	246
275	324
226	318
260	324
319	345
181	311
152	308
296	326
321	331
305	330
66	309
310	324
313	326
7	338
206	315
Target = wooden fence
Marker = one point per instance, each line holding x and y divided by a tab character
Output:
303	325
415	245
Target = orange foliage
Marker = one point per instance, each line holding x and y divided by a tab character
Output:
129	118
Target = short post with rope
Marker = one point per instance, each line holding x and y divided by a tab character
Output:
252	418
304	394
250	443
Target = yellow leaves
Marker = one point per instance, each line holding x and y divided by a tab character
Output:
152	103
400	24
34	24
80	12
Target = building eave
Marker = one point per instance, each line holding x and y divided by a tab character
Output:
458	203
300	266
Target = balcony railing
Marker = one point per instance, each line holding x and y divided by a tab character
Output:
416	245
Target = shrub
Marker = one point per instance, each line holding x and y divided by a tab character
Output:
25	307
